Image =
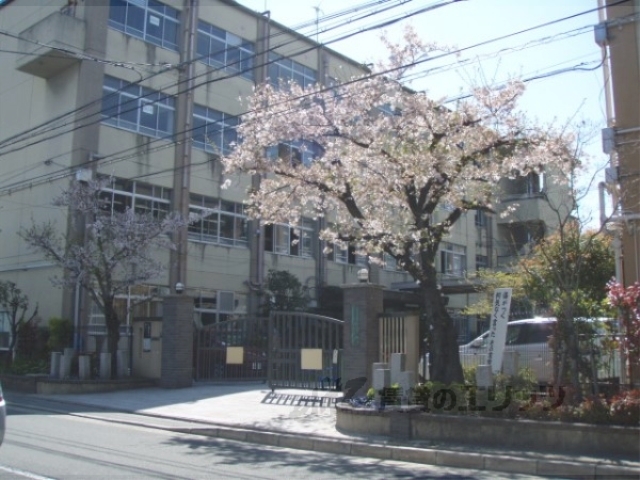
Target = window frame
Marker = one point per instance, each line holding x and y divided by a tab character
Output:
215	211
453	259
244	64
215	308
152	11
280	238
219	130
160	197
134	101
349	256
287	69
298	152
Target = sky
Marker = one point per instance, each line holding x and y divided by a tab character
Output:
558	46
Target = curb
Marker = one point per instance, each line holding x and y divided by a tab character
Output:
426	456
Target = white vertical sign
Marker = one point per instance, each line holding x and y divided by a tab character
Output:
498	328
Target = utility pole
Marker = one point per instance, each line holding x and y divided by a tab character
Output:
184	124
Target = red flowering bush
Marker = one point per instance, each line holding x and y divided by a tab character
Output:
627	301
625	408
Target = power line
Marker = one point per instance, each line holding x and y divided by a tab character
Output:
198	58
388	71
206	82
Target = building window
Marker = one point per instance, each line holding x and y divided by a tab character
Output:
225	50
349	256
284	69
142	198
295	153
217	306
137	108
217	221
288	240
453	259
214	131
5	330
128	307
390	263
482	262
148	20
480	218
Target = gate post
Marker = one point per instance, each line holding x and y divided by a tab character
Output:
177	342
362	305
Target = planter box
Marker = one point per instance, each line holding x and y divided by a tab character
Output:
551	437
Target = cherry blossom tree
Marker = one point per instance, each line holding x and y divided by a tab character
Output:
116	251
391	170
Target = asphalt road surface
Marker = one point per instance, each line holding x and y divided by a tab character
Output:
41	444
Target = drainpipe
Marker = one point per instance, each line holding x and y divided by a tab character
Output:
616	244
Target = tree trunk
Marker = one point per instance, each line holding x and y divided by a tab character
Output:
113	338
444	354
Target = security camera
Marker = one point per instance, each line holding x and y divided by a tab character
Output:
179	287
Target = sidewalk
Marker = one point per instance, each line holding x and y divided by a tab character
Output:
305	419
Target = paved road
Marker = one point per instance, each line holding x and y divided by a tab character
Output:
41	444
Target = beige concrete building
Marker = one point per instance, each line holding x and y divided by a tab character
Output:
114	88
619	35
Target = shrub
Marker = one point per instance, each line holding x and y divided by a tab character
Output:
593	410
22	366
469	374
60	334
390	395
32	341
625	408
371	394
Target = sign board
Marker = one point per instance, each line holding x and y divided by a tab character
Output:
311	359
235	355
498	328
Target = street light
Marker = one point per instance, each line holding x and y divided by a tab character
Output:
363	275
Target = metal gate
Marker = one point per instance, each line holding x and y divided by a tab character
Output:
289	333
233	350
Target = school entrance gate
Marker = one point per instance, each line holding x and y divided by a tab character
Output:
234	350
271	350
305	351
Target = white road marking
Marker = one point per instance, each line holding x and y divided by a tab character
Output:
16	471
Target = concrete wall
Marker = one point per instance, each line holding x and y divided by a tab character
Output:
624	51
553	437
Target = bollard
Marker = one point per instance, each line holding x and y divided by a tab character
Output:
484	376
105	365
510	363
121	363
65	363
55	364
84	367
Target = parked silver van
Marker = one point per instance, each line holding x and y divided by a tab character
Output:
529	339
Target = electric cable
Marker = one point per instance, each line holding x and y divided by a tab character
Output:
490	41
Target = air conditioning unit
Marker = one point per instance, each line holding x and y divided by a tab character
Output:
84	175
608	140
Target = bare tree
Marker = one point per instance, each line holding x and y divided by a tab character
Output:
117	250
16	305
